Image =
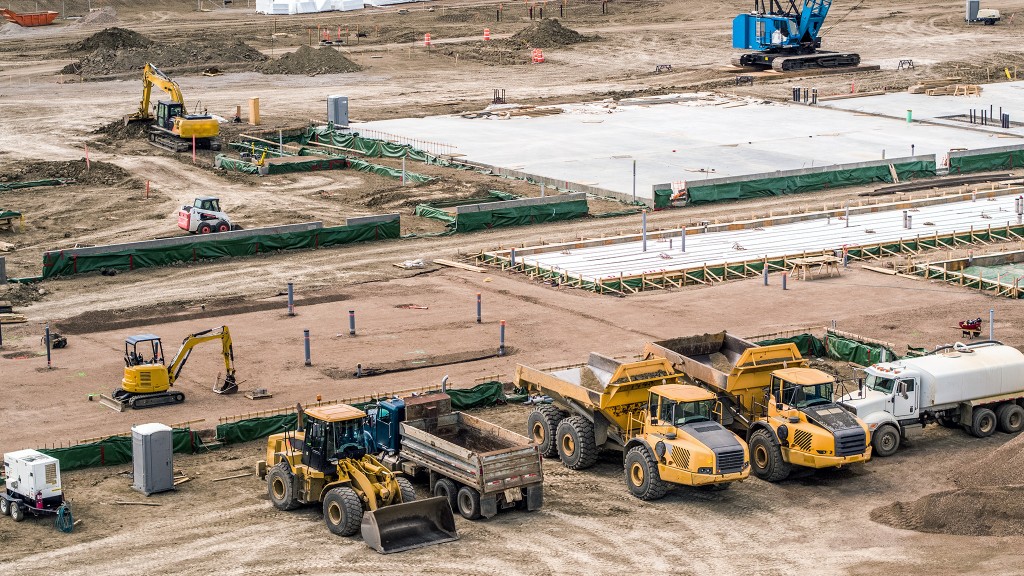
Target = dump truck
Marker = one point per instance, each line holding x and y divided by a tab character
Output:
666	431
978	387
325	462
769	396
478	467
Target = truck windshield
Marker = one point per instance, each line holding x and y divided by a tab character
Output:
348	437
687	412
879	384
805	396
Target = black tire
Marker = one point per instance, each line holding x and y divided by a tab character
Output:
5	507
885	441
766	457
575	441
983	424
221	226
204	228
343	511
642	477
469	503
407	489
947	422
17	512
1011	418
445	488
281	487
541	427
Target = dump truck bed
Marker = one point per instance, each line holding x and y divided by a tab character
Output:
472	451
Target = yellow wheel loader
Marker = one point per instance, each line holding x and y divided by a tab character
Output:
147	380
326	462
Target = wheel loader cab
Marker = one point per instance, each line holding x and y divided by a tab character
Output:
331	434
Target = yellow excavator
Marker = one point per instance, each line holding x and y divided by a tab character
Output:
327	462
173	128
147	380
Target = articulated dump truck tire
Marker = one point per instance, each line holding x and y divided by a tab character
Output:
642	476
541	427
766	457
576	445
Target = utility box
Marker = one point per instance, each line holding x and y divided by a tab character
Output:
152	458
33	476
972	10
337	111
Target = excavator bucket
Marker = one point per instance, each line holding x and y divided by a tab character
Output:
226	386
401	527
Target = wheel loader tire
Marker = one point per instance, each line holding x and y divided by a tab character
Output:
343	511
983	424
576	445
541	427
766	457
407	489
445	488
5	507
17	512
281	487
469	503
642	477
885	441
1011	418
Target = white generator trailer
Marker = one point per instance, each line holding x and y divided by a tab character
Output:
32	486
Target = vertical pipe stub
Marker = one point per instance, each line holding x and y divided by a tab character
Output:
478	308
351	322
305	339
291	299
501	339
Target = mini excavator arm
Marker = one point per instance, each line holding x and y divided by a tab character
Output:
191	341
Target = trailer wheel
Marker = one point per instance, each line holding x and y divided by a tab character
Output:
576	445
766	457
541	427
343	511
469	503
886	440
17	512
281	487
447	489
1011	418
5	506
407	489
983	424
642	477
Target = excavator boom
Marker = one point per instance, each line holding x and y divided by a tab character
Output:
191	341
152	76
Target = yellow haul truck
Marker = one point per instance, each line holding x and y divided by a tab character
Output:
784	409
666	430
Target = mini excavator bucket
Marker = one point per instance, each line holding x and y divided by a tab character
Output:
226	386
401	527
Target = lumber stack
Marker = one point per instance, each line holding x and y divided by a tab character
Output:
923	86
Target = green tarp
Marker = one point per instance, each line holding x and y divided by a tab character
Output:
116	450
9	213
57	263
808	344
33	183
836	348
778	186
499	217
986	162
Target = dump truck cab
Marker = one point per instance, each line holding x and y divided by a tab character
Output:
326	461
681	442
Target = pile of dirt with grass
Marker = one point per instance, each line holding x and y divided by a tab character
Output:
547	33
97	173
119	131
311	61
989	502
117	50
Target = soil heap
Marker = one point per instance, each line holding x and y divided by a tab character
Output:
98	173
989	502
311	61
117	50
547	33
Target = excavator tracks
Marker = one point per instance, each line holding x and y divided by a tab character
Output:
813	61
119	400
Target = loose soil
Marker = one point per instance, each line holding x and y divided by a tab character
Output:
547	33
311	61
96	172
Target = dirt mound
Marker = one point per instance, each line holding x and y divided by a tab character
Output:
1004	466
993	511
112	39
105	15
98	173
116	50
311	61
547	33
118	130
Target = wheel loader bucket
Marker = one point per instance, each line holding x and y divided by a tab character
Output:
401	527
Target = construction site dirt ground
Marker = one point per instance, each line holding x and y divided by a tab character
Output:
817	524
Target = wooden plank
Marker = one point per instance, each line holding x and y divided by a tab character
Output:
460	265
134	503
243	475
879	270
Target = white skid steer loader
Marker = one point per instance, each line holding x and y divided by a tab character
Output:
204	216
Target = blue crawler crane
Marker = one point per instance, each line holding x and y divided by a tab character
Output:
786	39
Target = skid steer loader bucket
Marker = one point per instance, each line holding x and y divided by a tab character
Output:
411	525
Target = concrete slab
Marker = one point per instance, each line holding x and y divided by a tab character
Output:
628	258
681	138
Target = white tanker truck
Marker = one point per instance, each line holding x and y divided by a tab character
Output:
978	387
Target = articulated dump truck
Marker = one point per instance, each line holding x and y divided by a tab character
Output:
666	430
769	396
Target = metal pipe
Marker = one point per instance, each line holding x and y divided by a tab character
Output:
478	306
764	273
305	339
351	322
49	363
784	281
991	323
291	300
513	256
501	340
643	229
682	239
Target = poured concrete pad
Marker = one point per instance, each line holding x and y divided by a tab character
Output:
683	138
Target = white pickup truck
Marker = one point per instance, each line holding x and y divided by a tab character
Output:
978	387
